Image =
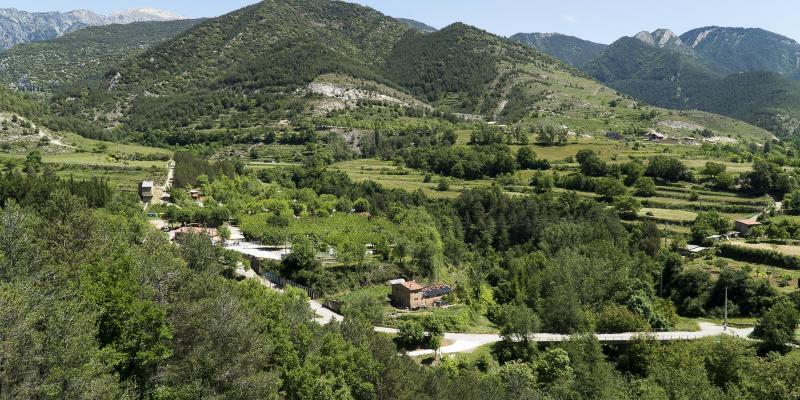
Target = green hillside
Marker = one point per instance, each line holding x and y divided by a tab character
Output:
83	54
420	26
459	67
569	49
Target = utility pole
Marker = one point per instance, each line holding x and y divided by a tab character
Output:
725	323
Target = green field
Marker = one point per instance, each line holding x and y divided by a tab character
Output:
790	250
663	214
394	177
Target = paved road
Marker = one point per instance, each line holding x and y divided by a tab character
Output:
465	342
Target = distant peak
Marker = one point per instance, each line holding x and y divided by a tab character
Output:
146	14
646	37
663	38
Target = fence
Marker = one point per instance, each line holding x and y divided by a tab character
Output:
282	282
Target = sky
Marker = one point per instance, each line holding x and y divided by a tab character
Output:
598	20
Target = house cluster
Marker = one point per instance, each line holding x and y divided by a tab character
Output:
412	295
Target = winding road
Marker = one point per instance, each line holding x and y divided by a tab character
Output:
466	342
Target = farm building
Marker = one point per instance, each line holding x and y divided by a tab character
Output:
656	136
614	135
743	226
412	295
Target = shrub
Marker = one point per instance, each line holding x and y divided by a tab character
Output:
760	256
411	334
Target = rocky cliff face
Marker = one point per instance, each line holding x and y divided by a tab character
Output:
18	26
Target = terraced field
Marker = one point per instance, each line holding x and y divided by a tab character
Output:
124	165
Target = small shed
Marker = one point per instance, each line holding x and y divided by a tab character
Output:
146	190
693	250
656	136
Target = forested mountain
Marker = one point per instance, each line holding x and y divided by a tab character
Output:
88	52
18	26
460	67
569	49
676	80
420	26
744	49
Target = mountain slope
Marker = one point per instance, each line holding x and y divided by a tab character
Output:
569	49
457	67
733	50
82	54
671	79
18	26
420	26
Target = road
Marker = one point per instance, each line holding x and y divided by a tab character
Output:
466	342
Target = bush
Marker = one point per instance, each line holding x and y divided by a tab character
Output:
645	187
777	327
361	205
615	318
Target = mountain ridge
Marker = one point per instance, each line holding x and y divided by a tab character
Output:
420	26
570	49
18	26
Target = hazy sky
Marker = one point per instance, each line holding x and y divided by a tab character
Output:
598	20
